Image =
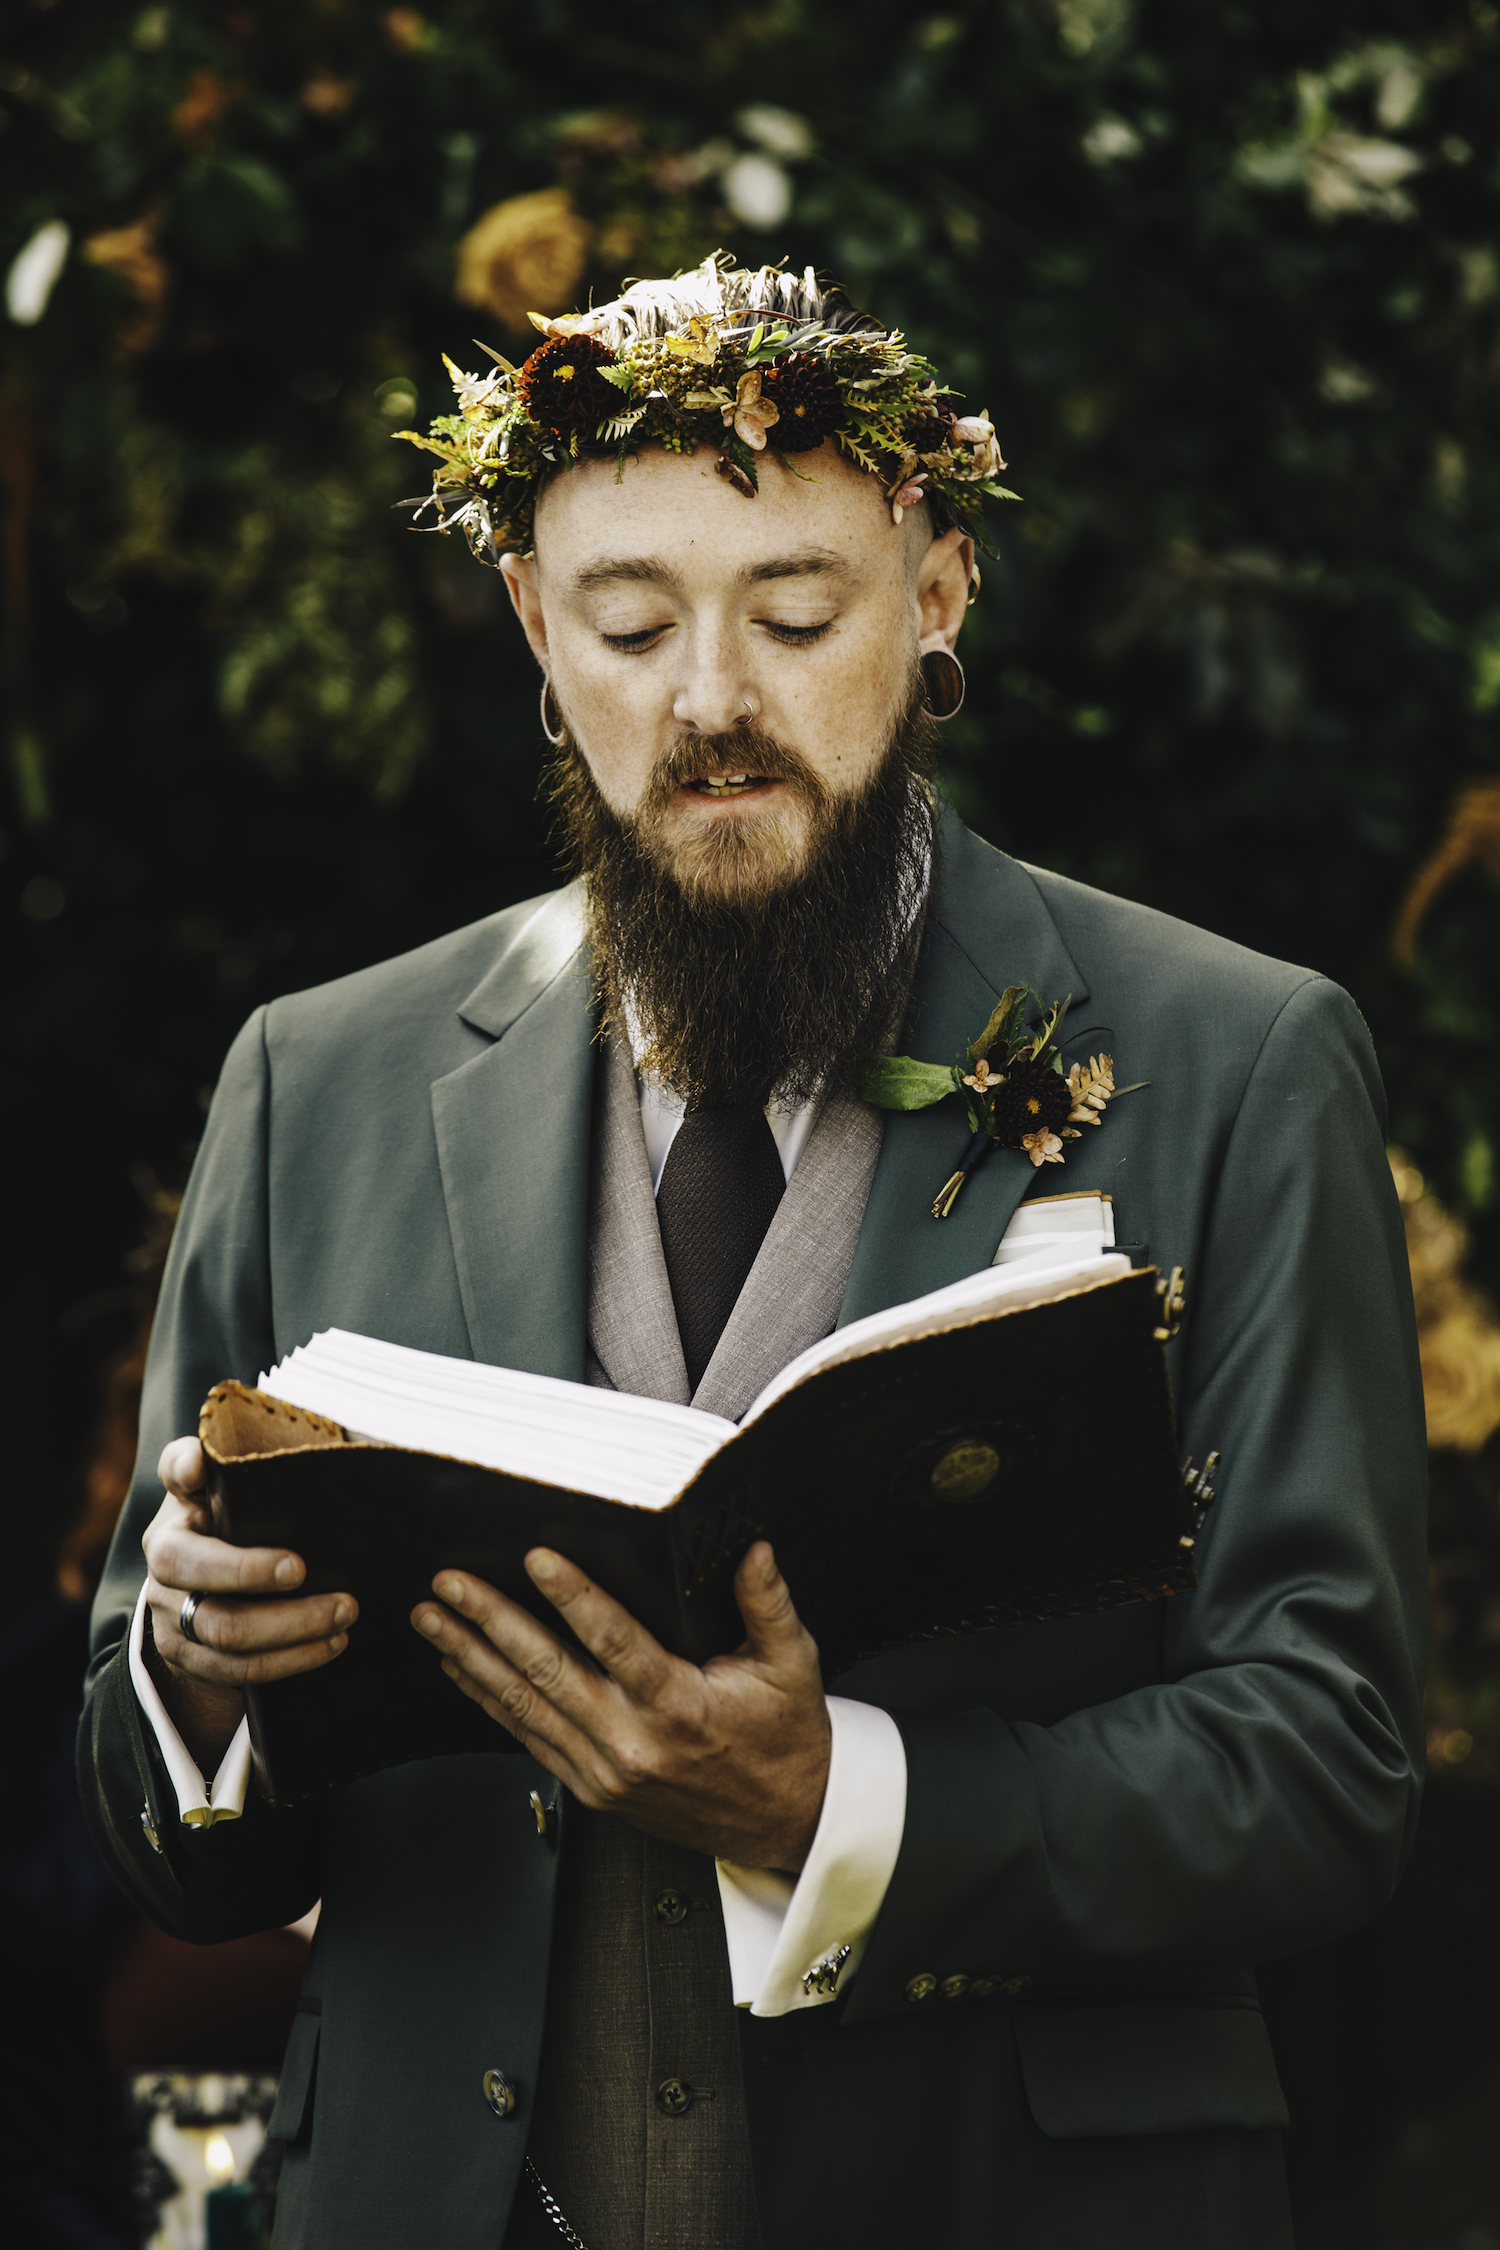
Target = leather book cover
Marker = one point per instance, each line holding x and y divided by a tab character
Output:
1021	1466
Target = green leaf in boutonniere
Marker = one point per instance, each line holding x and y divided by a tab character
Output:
1025	1100
1004	1024
900	1082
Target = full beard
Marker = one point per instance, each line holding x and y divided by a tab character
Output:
764	954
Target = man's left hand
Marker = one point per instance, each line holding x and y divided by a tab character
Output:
730	1757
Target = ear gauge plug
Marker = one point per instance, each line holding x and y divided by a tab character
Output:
943	679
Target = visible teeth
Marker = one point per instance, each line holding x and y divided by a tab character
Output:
724	784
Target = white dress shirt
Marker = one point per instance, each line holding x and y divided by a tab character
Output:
794	1940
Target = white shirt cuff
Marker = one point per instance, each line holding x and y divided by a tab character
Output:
795	1941
199	1803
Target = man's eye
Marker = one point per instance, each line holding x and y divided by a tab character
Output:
797	636
631	641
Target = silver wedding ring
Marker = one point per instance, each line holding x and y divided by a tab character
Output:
185	1618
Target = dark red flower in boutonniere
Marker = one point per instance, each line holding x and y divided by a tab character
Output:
1030	1100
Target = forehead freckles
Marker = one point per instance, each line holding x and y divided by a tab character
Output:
673	515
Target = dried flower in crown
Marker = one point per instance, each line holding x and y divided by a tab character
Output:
760	363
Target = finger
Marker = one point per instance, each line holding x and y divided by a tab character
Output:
236	1667
774	1632
521	1704
634	1659
177	1555
219	1670
244	1627
182	1468
566	1679
561	1768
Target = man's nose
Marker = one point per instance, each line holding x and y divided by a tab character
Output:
717	694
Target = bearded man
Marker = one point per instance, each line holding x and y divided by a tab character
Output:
962	1951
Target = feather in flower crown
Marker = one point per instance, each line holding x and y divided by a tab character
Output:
746	360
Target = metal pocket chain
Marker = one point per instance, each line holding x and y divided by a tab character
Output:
553	2209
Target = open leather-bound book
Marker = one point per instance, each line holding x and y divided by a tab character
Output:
1001	1449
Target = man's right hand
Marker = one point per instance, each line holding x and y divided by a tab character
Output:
240	1643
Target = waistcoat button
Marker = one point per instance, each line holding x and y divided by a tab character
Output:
669	1906
921	1987
674	2097
500	2092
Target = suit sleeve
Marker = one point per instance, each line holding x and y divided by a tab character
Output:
1264	1794
213	1320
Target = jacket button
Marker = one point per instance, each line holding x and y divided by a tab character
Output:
921	1987
500	2092
954	1988
148	1830
674	2097
540	1813
669	1906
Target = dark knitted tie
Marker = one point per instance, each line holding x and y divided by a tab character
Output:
719	1190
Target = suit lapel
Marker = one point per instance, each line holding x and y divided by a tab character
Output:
513	1143
987	927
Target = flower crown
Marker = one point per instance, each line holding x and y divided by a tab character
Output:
749	361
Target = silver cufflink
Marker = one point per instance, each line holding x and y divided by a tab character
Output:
823	1976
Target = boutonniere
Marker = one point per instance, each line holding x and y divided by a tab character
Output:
1026	1100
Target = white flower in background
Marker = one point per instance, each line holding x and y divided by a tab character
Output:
34	271
1084	24
1343	173
1346	172
1343	383
757	191
781	131
1110	140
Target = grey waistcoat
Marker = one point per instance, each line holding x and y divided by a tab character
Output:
639	1991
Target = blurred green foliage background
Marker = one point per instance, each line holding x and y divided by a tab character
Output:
1227	278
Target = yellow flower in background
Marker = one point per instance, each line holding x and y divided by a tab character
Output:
131	253
1458	1334
530	250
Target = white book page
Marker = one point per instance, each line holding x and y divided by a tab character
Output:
1007	1288
640	1451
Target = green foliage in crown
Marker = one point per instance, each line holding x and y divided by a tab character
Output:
751	362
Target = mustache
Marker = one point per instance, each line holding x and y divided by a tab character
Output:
742	750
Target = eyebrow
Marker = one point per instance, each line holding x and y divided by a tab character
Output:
807	562
651	570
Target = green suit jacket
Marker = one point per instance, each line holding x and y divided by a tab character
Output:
1124	1811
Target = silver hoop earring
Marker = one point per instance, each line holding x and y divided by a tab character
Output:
943	680
560	737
